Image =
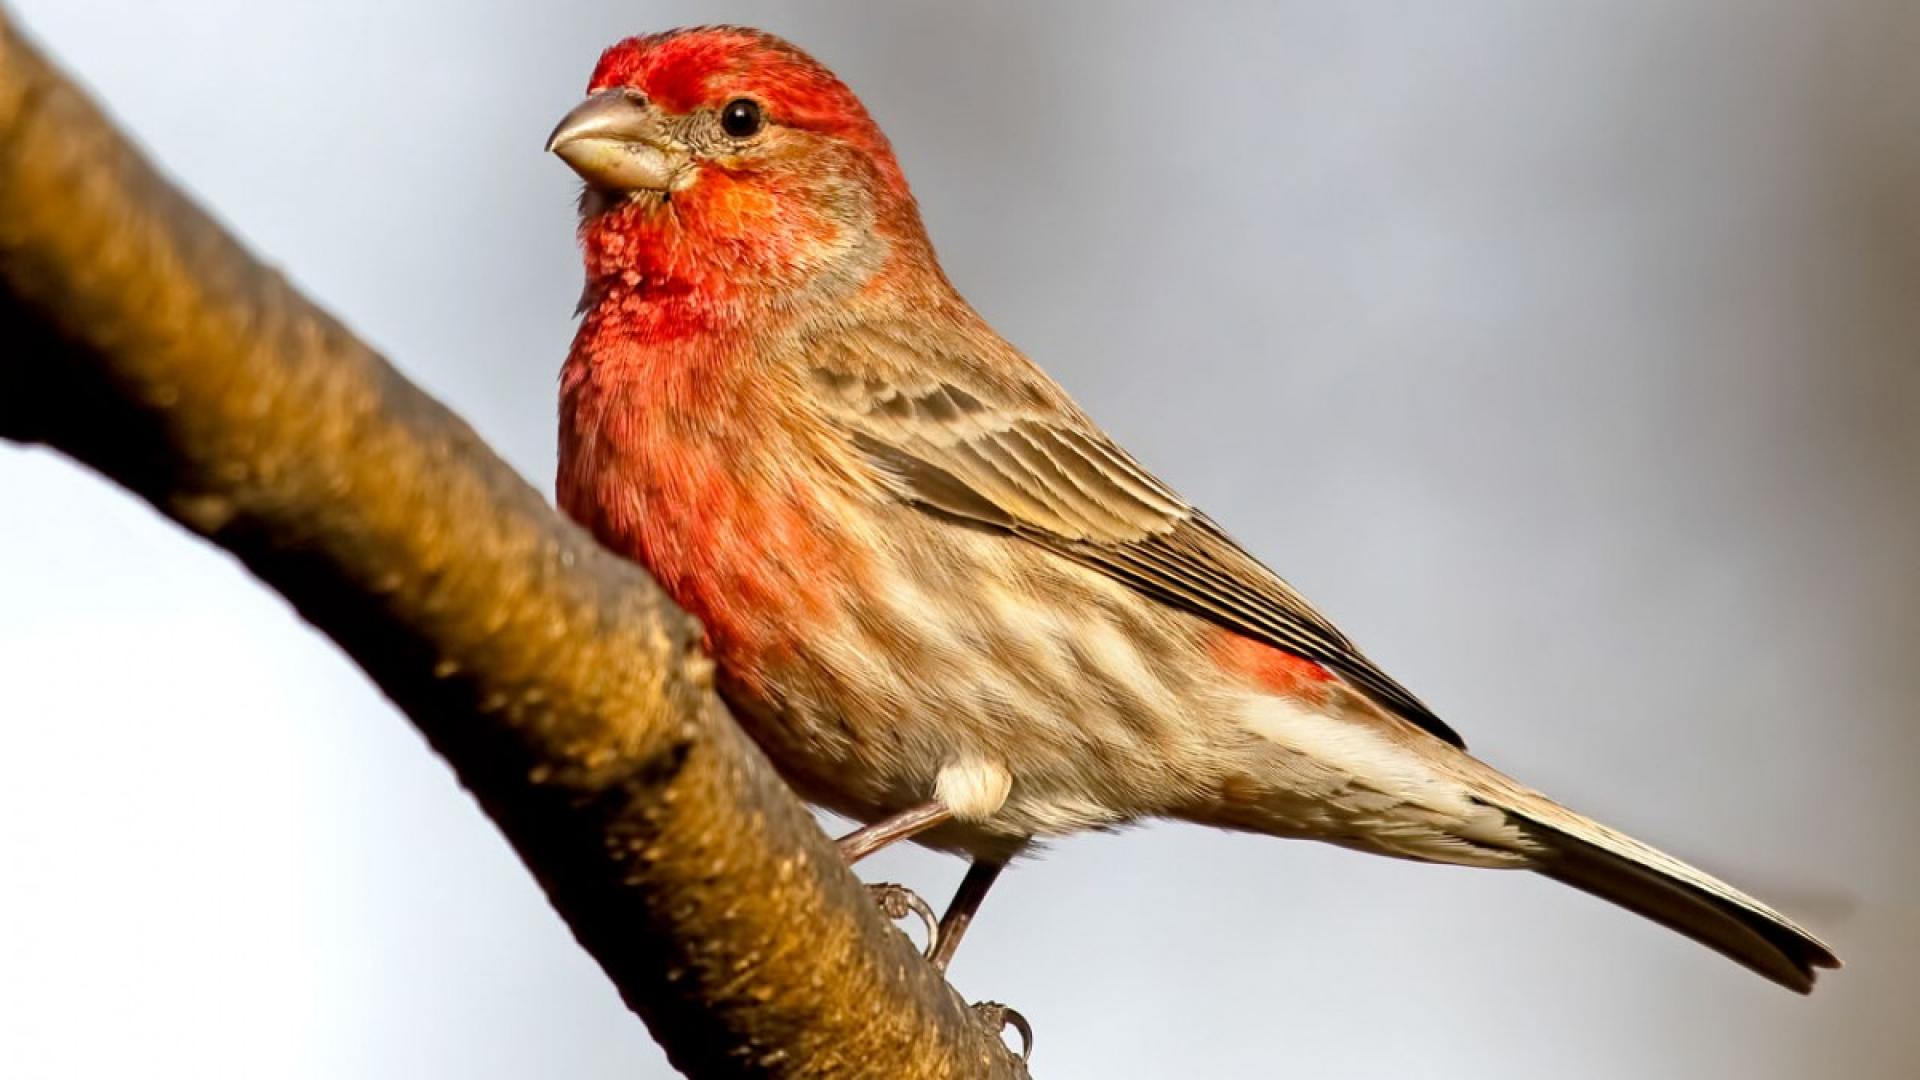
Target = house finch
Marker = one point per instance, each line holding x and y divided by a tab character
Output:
943	601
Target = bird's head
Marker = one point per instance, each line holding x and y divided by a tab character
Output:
724	158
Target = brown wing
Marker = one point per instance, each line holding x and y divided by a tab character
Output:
1012	454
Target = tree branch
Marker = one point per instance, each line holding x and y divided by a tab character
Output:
561	686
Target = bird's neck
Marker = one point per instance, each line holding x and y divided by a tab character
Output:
729	255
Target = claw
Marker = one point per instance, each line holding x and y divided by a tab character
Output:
1000	1017
897	902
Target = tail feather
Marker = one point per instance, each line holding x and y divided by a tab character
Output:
1595	859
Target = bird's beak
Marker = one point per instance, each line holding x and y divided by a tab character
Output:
615	140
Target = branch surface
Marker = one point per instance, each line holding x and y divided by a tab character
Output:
568	695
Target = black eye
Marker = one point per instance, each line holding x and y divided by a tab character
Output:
741	118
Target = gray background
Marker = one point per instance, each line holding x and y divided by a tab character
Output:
1568	354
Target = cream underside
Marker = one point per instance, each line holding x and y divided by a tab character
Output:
1043	751
1333	778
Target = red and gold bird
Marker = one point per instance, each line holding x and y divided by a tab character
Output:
943	601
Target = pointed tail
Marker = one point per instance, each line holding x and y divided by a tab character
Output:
1593	858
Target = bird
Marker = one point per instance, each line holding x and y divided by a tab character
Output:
941	599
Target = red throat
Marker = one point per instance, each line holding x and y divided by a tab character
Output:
703	259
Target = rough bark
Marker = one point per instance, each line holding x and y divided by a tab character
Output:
564	690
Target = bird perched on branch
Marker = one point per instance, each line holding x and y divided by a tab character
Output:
943	601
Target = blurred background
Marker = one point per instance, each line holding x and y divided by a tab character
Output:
1569	355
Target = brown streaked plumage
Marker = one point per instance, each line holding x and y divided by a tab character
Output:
939	596
1025	460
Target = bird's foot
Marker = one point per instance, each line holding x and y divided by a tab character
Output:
1000	1017
896	902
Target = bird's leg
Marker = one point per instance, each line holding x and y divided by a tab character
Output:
943	938
897	901
904	825
973	889
966	901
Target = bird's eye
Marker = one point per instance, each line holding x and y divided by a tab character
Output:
741	118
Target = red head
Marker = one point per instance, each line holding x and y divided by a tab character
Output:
723	162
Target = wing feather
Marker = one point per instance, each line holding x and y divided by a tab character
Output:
1022	459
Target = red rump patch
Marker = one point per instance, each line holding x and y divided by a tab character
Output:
1273	669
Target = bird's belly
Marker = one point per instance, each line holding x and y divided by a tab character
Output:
962	663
